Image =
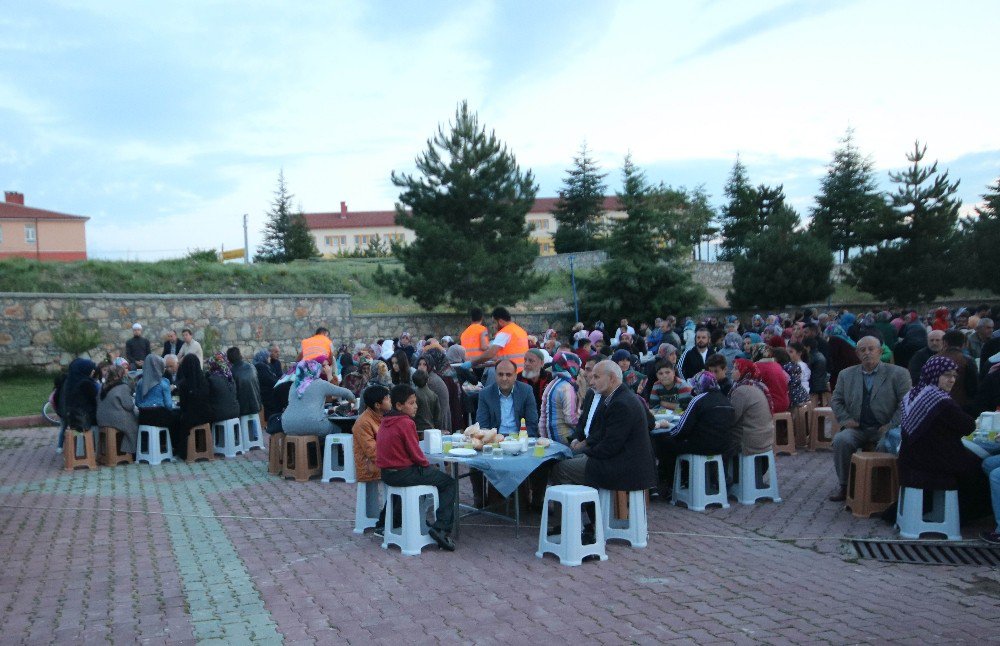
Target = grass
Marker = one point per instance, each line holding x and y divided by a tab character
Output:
23	394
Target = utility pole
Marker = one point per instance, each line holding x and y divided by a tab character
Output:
246	244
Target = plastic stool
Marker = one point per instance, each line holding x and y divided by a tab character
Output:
338	457
251	435
228	438
568	545
367	506
696	494
78	450
301	457
275	453
872	483
800	423
199	444
748	473
941	518
633	528
821	419
784	433
109	448
413	535
156	440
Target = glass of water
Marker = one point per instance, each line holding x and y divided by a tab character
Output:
497	453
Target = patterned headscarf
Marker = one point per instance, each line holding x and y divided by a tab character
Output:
733	341
219	365
703	382
381	374
760	351
116	375
750	376
436	361
837	331
123	362
566	364
306	372
922	398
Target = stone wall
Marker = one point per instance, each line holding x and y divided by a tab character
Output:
369	327
560	261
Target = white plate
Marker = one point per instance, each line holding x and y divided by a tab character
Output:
462	453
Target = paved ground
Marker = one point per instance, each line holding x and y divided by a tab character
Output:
224	552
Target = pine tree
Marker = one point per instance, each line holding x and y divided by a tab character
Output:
580	208
467	207
916	248
980	241
738	218
848	198
645	275
286	236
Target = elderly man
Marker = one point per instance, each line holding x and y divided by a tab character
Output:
535	374
984	330
172	345
866	403
274	361
170	364
137	348
935	343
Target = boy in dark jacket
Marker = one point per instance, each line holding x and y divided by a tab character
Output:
403	464
428	405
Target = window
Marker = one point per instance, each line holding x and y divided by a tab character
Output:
29	233
539	224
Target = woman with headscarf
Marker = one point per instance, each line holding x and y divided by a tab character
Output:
688	333
306	412
750	339
931	454
195	403
706	428
942	319
116	407
79	395
247	387
732	349
356	378
842	352
773	375
266	381
441	367
222	389
436	365
152	395
559	412
753	430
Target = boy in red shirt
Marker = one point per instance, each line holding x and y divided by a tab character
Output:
403	464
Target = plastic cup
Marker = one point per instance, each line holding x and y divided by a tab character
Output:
497	453
446	447
487	449
539	451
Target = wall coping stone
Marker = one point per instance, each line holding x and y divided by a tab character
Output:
165	297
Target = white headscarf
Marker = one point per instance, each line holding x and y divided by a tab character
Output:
387	349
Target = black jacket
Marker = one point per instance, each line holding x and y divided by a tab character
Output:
708	425
620	454
172	348
691	362
222	395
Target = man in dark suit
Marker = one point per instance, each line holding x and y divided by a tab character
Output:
504	403
172	345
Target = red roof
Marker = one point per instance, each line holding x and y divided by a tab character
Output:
18	211
368	219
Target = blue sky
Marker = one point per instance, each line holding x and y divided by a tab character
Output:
165	122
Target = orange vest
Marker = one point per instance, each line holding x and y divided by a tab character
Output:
317	346
471	339
516	347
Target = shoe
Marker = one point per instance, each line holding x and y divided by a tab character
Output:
588	537
379	531
991	537
442	539
839	496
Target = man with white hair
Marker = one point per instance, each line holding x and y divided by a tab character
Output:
984	330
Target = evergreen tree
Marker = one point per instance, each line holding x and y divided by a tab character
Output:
580	208
467	207
980	241
913	260
848	198
738	218
286	235
645	275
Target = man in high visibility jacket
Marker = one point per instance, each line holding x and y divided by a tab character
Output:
475	338
511	342
319	347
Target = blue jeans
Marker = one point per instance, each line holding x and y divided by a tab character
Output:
991	467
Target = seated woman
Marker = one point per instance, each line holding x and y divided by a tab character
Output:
195	403
773	375
753	431
400	365
630	376
222	389
732	349
842	352
78	397
380	376
705	429
668	391
152	395
931	455
266	380
247	386
306	413
116	407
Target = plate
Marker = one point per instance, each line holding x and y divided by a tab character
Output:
462	453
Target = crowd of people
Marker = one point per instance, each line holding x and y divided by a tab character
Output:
899	381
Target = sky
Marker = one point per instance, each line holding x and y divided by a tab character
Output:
166	122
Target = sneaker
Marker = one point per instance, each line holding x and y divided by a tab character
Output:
379	532
991	537
840	495
442	539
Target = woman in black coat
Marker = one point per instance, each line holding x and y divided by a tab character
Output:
79	396
222	389
195	402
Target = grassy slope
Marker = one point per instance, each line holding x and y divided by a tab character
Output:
23	394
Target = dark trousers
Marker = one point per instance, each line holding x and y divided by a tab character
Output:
446	485
169	419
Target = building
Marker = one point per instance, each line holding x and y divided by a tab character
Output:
27	232
346	231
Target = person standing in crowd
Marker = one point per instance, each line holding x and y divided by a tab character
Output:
190	347
172	345
274	361
137	347
475	338
319	348
510	342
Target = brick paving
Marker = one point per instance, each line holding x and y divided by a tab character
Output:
222	552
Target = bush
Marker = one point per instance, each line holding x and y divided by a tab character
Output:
74	335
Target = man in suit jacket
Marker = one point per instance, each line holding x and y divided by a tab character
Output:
172	345
617	454
504	403
866	403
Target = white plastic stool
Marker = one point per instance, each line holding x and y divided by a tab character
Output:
748	473
632	529
942	518
568	545
695	495
251	437
413	535
228	438
367	506
338	458
154	453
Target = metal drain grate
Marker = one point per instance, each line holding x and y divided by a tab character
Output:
926	553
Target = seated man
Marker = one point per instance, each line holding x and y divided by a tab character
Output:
866	402
534	374
504	403
428	407
403	464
